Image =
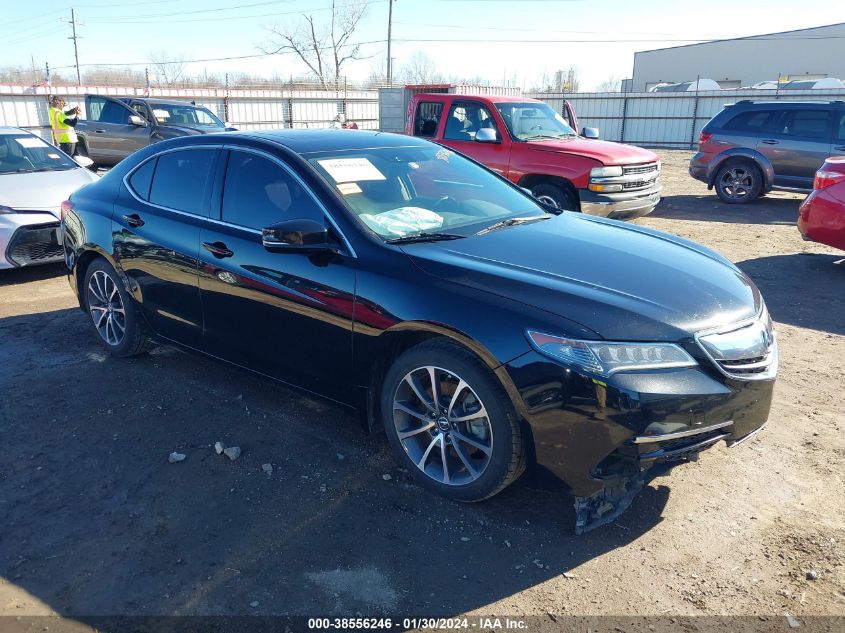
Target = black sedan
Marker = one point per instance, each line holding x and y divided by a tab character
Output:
485	333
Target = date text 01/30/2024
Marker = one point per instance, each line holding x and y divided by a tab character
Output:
483	623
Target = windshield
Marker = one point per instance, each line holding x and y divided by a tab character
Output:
23	153
404	191
190	116
528	121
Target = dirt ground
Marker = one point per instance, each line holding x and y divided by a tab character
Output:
96	522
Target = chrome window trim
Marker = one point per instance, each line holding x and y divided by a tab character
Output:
206	218
773	356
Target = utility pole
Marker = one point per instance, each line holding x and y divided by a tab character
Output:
389	38
75	47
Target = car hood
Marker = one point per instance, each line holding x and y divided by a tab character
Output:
606	152
42	191
186	130
622	281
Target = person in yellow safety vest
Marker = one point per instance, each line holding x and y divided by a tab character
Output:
62	124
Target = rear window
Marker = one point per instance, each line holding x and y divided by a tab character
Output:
427	118
749	121
181	180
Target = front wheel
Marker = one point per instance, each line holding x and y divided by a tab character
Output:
555	196
450	423
738	182
112	311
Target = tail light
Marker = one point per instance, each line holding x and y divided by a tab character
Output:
704	138
825	178
67	205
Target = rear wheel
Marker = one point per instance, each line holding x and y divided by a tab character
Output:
450	422
738	182
113	312
555	196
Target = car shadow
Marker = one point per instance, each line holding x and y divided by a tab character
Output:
97	522
771	209
783	281
13	276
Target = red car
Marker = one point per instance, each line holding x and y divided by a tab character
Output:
821	217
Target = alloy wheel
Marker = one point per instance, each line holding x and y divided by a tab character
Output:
443	425
548	200
106	308
737	182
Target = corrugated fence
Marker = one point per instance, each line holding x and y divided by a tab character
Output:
244	109
662	119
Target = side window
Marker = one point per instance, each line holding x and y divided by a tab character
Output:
749	121
141	109
813	124
142	178
427	118
465	120
840	127
95	108
181	180
114	113
258	193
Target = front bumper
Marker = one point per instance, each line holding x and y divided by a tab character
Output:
27	239
620	206
601	438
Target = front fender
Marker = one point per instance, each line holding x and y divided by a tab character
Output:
748	153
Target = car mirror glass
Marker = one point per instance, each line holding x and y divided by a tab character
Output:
486	135
300	235
590	132
135	119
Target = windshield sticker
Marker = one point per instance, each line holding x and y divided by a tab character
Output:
403	221
53	156
30	141
348	188
351	169
443	155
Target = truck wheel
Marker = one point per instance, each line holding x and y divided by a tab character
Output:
555	196
738	182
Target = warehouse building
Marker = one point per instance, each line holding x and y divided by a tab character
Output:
813	53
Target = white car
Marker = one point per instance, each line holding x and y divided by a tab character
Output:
35	178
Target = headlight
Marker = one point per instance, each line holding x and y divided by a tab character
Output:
5	210
606	358
605	172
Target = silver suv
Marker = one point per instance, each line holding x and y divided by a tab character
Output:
752	147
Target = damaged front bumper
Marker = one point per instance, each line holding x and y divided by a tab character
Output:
604	440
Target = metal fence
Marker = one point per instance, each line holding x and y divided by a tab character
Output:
246	109
661	119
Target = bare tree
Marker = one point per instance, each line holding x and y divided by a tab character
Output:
323	48
169	68
421	69
612	84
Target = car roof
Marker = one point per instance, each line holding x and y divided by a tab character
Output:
490	98
182	102
307	141
747	103
6	129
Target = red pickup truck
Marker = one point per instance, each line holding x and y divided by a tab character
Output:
533	146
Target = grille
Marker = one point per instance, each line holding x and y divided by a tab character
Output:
749	352
745	366
639	169
639	184
34	245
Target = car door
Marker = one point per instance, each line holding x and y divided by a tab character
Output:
463	121
287	315
110	135
156	231
797	143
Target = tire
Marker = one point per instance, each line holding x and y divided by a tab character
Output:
113	312
556	196
738	182
469	458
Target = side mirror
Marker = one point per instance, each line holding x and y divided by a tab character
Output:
300	235
138	120
590	132
83	161
486	135
229	128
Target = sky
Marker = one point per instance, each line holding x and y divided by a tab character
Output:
518	42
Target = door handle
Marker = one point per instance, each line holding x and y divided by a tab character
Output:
218	249
133	220
839	148
99	131
770	141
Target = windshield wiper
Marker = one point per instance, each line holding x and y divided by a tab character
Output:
512	222
424	237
